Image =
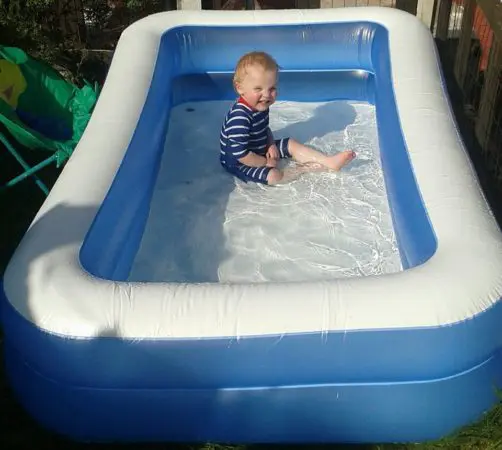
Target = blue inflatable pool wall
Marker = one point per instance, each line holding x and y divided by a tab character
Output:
192	66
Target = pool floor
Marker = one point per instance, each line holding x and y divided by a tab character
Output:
206	226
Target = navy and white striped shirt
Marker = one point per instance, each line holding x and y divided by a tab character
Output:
243	130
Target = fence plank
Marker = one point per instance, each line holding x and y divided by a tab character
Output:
464	45
189	4
350	3
489	94
425	11
492	9
443	19
407	5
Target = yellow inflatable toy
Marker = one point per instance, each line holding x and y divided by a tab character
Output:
12	82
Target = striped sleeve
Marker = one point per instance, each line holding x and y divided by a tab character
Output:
237	131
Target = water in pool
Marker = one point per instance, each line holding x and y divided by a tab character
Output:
206	226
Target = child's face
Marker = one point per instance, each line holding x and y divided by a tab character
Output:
258	87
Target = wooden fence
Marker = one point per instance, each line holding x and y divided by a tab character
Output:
471	31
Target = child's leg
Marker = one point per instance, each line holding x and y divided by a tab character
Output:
263	175
274	176
304	154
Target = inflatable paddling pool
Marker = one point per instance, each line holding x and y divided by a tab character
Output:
407	356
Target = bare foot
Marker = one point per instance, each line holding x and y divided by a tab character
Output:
336	162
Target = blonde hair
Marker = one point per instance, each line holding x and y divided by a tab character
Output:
261	59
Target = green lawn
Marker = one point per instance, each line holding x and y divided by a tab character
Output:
18	430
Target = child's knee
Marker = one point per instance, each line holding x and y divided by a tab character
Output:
274	176
292	147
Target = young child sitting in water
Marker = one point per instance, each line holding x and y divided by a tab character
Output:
248	148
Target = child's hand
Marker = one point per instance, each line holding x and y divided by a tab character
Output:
271	162
273	152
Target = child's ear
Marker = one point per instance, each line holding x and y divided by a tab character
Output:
237	87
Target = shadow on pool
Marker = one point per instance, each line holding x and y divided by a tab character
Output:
342	113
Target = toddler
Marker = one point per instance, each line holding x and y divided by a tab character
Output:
248	149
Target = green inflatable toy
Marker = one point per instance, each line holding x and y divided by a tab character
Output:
40	110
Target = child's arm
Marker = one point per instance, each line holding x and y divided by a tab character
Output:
239	135
253	159
271	139
273	152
